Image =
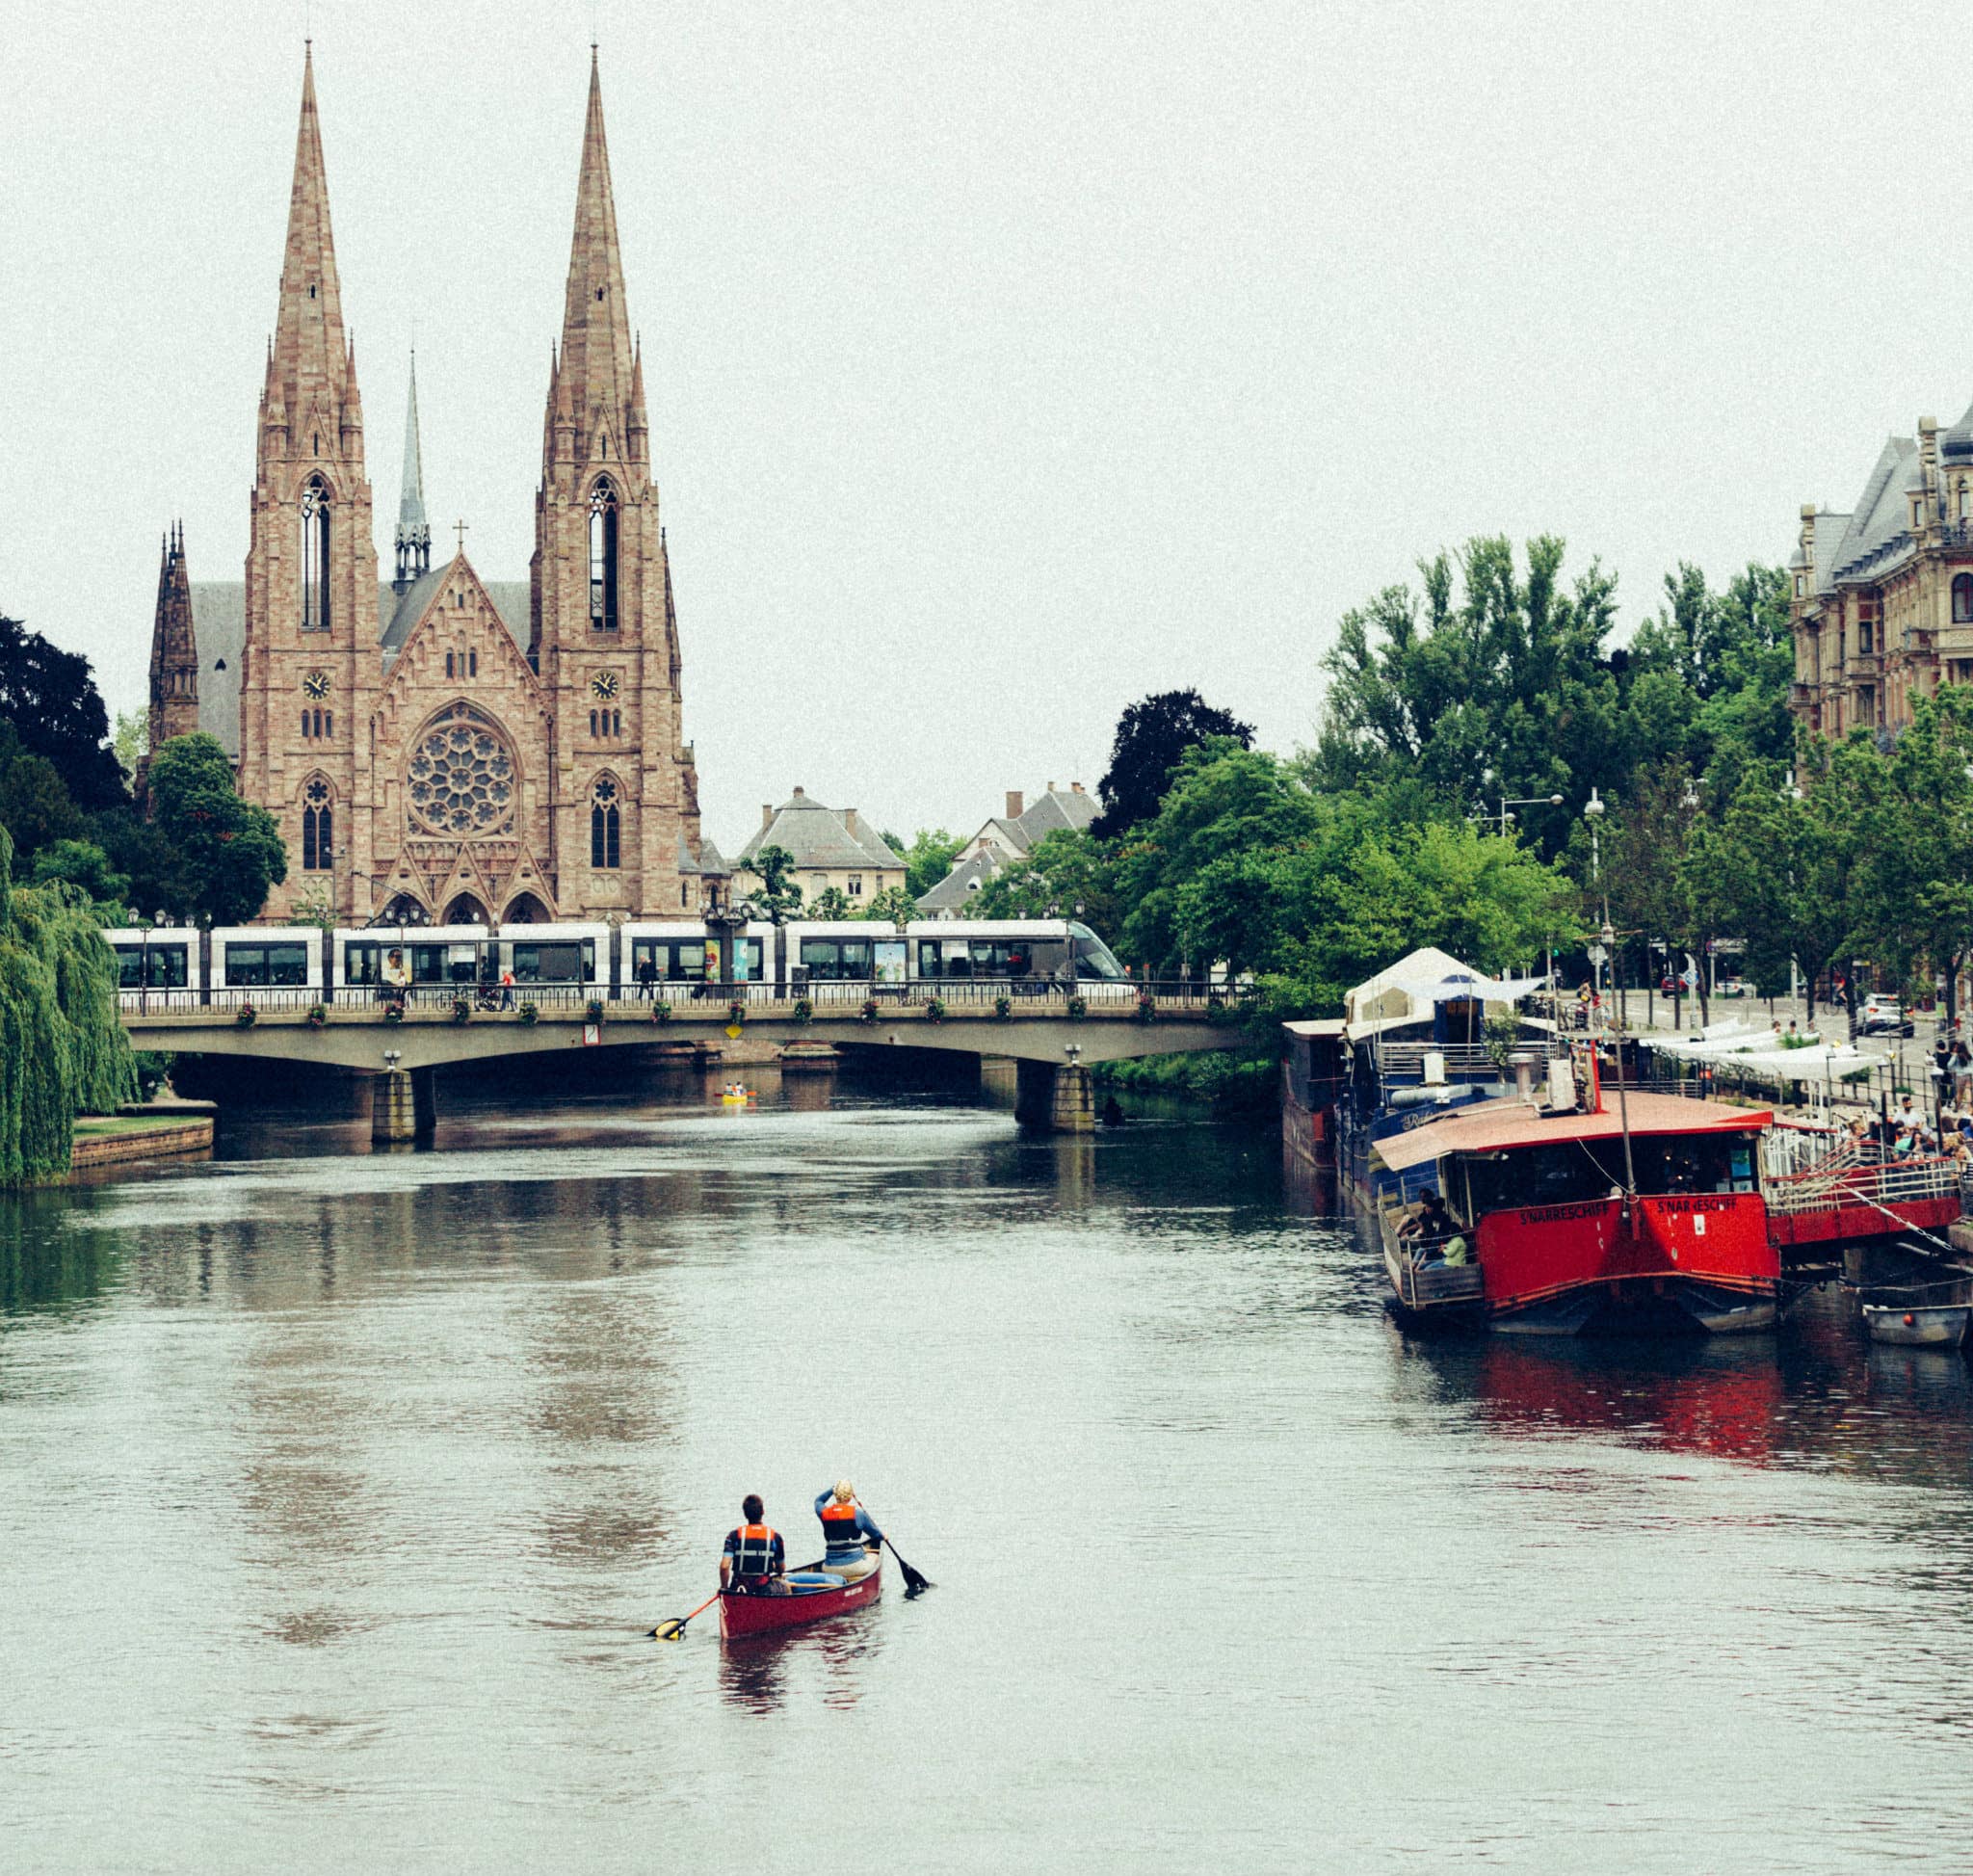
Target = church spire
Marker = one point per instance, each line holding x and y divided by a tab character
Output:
413	532
597	364
174	648
311	373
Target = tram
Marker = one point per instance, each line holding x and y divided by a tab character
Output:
167	967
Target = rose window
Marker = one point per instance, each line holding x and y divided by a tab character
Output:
461	776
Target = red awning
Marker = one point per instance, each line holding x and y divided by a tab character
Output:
1500	1124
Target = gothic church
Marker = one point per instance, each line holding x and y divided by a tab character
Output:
440	749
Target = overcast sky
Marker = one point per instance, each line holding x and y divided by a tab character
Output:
1005	361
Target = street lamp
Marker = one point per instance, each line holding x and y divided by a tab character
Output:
1503	816
1594	810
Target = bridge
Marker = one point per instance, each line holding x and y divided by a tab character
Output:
1051	1033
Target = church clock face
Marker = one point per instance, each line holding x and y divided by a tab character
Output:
316	685
604	684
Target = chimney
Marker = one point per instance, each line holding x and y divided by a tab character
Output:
766	815
1075	788
1051	787
1014	804
850	822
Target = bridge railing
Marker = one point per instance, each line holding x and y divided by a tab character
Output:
1901	1182
976	997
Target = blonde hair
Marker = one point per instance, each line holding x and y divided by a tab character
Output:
846	1492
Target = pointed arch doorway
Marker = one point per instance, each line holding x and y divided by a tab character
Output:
465	910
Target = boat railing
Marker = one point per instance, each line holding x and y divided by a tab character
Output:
1406	1061
1419	1283
1902	1181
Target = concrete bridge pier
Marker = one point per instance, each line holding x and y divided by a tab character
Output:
1056	1098
402	1105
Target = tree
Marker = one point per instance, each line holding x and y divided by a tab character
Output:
63	1050
1152	737
832	903
84	865
229	852
35	807
1067	874
50	698
131	741
928	859
893	906
778	898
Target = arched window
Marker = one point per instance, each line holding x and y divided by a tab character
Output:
315	555
603	557
318	828
1962	599
606	845
448	664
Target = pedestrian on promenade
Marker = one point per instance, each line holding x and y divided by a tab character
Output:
646	980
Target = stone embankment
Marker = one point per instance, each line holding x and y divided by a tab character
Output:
160	1130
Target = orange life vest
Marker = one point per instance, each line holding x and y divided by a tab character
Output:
754	1550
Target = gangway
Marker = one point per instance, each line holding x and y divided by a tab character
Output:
1848	1200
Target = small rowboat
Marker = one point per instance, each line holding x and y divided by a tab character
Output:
1924	1325
818	1594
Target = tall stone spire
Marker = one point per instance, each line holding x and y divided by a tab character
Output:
596	381
311	394
311	622
413	532
174	648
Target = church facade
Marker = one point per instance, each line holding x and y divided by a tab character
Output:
439	749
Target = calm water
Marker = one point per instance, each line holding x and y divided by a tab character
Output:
336	1495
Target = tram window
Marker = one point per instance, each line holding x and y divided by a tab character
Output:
563	963
428	963
928	958
1002	957
362	964
256	966
839	959
168	969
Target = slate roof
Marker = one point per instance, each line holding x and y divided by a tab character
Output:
1883	517
957	889
1059	811
219	623
818	838
710	861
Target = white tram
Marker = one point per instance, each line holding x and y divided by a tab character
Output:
275	965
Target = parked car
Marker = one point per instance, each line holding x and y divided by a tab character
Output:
1884	1016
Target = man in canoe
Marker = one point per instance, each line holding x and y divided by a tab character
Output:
753	1559
847	1528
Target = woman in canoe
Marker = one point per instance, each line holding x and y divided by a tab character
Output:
849	1531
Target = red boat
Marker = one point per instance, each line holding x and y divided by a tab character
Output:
817	1594
1563	1221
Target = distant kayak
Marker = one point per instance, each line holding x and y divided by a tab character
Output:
818	1593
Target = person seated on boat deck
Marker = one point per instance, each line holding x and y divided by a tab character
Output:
847	1529
1432	1223
754	1558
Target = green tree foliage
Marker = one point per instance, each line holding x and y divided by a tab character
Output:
228	851
1152	737
48	696
928	859
84	865
1488	684
893	906
832	903
131	740
62	1049
35	807
1066	874
777	897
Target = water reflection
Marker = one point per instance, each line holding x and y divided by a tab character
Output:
833	1662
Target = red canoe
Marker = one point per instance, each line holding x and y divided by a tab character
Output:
765	1615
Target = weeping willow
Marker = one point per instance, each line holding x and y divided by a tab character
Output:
63	1052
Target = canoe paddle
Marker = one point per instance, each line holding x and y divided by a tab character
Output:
673	1629
914	1580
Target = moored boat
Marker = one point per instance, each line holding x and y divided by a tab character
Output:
815	1593
1920	1324
1559	1221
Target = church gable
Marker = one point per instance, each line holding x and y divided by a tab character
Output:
462	751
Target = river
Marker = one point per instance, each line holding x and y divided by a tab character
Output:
338	1490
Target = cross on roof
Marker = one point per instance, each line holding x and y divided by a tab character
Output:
459	528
